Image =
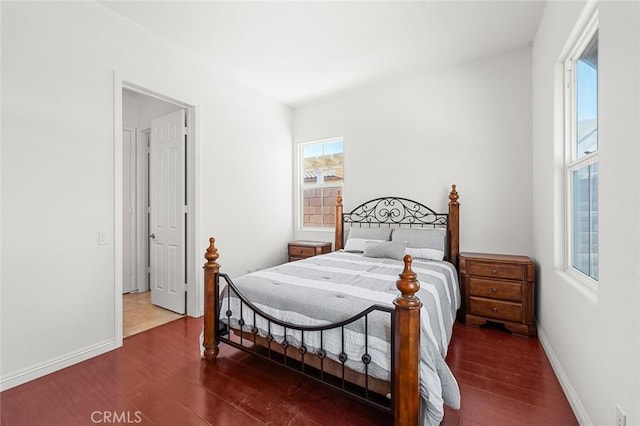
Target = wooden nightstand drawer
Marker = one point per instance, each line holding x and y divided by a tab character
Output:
489	308
495	289
299	251
303	249
496	270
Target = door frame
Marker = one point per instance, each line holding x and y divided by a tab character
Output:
193	266
134	254
141	217
142	181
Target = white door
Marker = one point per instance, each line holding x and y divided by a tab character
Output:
128	205
167	211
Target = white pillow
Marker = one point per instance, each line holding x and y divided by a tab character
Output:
357	245
387	249
424	253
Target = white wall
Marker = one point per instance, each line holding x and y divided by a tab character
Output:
138	109
414	137
58	62
592	339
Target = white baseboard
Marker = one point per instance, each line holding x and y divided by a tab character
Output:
567	387
24	375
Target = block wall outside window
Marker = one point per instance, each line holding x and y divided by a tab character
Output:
585	220
320	207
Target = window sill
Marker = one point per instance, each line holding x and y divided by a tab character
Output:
585	287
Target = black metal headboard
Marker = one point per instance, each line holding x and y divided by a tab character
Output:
402	212
395	211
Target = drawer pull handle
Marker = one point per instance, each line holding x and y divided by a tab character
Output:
493	271
493	290
494	310
301	251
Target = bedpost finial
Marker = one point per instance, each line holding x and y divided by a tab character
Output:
453	195
408	283
339	199
211	255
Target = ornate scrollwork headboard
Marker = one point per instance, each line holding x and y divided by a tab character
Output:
402	212
394	211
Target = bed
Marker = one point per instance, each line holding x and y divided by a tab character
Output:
338	317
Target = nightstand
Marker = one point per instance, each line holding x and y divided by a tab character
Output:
498	288
303	249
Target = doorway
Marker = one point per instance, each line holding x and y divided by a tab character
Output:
139	314
155	218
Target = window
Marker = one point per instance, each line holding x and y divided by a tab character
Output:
581	109
321	177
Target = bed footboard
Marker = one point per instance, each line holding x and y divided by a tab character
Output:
405	344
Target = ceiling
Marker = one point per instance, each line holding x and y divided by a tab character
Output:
298	52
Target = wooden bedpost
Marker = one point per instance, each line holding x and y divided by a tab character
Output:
339	224
406	349
211	270
453	226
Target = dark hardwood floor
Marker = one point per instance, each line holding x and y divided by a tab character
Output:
158	378
504	380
